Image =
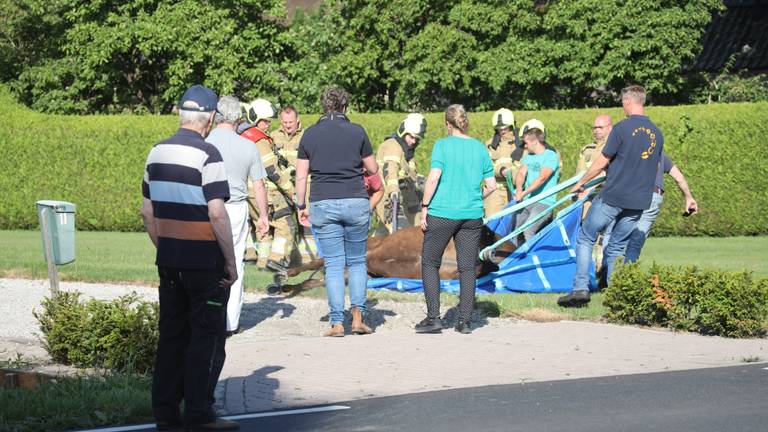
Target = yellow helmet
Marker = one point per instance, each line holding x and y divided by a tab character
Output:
259	109
503	118
414	124
533	124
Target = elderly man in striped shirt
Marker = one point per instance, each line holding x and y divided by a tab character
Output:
185	187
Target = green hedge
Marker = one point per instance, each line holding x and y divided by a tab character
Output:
97	162
707	301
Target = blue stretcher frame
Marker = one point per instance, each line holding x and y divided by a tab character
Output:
545	263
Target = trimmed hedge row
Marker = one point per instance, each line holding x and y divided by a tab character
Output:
97	162
711	302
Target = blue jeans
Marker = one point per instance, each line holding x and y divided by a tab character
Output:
341	230
599	217
641	231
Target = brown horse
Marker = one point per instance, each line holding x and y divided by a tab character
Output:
399	256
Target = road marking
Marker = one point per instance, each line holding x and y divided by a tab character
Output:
233	417
288	412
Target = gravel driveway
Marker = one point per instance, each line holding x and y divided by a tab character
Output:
263	317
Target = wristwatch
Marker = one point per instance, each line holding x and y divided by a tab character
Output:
301	206
424	205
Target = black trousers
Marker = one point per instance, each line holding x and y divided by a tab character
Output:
190	350
466	237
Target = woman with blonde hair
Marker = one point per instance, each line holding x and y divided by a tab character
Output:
460	176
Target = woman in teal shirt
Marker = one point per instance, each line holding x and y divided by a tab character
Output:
461	175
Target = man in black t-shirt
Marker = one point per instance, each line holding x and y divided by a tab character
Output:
633	150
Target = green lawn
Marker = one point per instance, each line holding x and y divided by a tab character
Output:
101	257
128	257
77	402
726	253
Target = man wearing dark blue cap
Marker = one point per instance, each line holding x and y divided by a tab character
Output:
185	188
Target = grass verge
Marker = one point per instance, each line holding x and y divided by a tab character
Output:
128	257
77	402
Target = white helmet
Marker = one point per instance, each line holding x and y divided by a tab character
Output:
503	118
259	109
533	124
414	124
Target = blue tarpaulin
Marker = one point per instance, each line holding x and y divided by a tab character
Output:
546	263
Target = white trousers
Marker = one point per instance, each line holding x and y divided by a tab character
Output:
238	218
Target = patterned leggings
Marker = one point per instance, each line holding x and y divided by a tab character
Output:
466	236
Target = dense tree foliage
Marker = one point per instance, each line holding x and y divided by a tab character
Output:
82	56
101	56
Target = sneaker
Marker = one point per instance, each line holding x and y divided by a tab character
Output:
463	327
429	325
574	299
218	424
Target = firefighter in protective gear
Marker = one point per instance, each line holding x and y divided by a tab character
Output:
538	124
274	249
600	130
287	139
403	186
506	151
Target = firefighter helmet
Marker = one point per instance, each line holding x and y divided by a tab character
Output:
259	109
503	118
533	124
414	124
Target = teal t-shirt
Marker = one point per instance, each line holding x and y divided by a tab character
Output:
535	163
465	163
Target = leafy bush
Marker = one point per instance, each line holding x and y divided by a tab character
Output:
735	88
119	335
97	162
711	302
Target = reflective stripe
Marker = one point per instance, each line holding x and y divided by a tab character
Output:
262	248
392	182
286	184
278	245
504	160
268	157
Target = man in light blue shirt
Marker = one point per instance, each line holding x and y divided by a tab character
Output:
241	161
539	172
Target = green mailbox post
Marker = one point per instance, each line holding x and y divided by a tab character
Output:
57	222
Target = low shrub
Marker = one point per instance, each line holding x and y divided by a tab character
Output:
97	162
711	302
119	335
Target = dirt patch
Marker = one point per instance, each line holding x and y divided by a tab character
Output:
540	315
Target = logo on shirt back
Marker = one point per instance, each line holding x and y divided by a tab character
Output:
651	137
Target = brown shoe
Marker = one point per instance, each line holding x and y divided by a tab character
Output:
336	330
358	326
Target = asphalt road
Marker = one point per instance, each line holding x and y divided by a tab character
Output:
732	399
728	399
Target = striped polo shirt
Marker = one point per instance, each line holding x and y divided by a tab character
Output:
181	175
